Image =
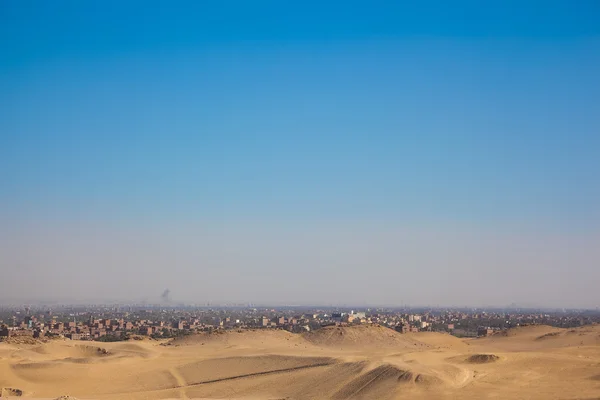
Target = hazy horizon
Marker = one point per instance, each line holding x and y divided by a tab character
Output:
306	264
325	154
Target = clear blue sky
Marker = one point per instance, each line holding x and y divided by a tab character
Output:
445	113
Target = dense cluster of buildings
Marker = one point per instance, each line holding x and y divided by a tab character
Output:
118	323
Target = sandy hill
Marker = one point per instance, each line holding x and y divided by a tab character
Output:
541	337
528	331
260	338
355	362
362	336
439	340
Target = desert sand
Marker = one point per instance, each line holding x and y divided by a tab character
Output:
359	362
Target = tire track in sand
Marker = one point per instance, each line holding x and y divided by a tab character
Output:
181	383
274	371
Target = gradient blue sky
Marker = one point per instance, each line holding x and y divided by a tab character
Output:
419	123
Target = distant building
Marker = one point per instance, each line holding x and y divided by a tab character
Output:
16	332
76	336
484	331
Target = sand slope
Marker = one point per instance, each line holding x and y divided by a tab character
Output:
362	362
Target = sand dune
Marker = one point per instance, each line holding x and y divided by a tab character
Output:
439	340
249	338
529	331
377	383
362	336
542	337
357	362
